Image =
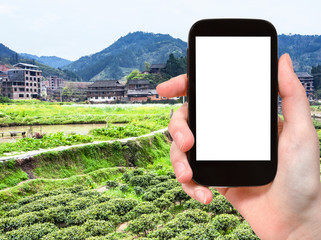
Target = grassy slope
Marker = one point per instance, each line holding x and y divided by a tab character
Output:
143	152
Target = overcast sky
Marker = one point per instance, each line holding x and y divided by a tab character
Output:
74	28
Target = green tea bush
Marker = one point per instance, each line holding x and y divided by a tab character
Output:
138	190
141	180
42	204
12	223
193	204
111	184
98	227
56	215
198	231
162	203
123	187
35	231
82	203
225	223
176	194
165	216
143	223
74	232
219	205
142	208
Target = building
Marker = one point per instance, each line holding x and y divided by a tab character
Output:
55	87
105	91
156	68
138	84
23	82
307	81
143	95
3	78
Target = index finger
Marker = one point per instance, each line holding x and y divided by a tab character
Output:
175	87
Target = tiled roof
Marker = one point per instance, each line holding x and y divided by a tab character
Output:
106	83
143	92
138	81
157	66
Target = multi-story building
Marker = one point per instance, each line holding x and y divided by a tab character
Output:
55	87
307	81
23	82
105	91
138	84
143	95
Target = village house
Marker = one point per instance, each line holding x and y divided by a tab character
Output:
307	81
137	84
105	91
156	68
143	95
23	82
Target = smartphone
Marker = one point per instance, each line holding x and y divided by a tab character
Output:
232	102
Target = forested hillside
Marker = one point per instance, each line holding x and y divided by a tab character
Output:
126	54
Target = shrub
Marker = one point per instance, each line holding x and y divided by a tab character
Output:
219	205
143	208
56	214
98	227
35	231
141	180
12	223
162	234
143	223
111	184
225	223
74	232
162	203
123	187
82	203
199	231
165	216
138	190
193	204
176	194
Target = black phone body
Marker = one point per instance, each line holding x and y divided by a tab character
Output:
233	102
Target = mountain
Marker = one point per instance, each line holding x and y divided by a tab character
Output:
126	54
305	50
51	61
10	57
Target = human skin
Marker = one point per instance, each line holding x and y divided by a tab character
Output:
290	206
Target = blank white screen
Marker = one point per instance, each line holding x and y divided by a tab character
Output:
233	98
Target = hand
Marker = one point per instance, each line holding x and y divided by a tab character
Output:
290	206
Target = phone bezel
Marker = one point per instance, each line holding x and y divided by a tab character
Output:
233	173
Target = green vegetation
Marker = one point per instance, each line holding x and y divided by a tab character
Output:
42	142
138	197
33	113
86	159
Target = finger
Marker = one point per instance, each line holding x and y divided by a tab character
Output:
174	87
199	193
180	164
295	105
179	129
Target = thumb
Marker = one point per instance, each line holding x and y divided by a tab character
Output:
295	104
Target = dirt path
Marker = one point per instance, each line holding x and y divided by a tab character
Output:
36	152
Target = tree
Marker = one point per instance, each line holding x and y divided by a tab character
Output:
147	66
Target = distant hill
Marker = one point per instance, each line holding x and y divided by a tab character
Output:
51	61
126	54
10	57
305	50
